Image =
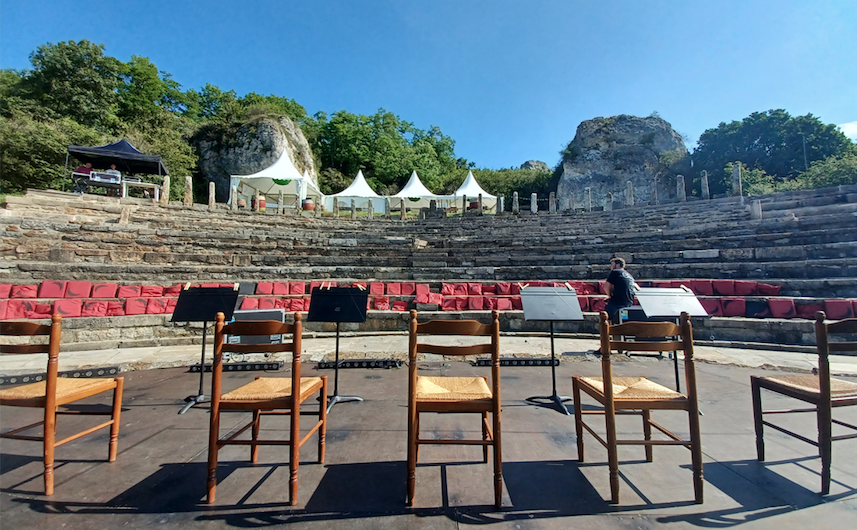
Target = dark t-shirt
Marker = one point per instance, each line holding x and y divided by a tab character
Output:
623	294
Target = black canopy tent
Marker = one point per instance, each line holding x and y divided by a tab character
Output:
126	157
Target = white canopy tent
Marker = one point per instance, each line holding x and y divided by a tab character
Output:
471	190
360	191
415	192
283	176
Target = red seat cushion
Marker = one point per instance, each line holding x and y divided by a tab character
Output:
152	290
475	303
41	311
3	305
297	288
408	288
723	287
504	304
156	306
5	290
135	306
382	303
757	309
52	289
313	285
376	289
489	288
503	288
474	288
267	302
782	307
115	309
584	302
448	303
808	311
94	308
490	302
422	296
597	304
460	303
18	308
295	304
516	302
24	291
106	290
460	289
68	308
78	289
702	287
712	306
129	291
745	287
515	288
250	303
767	289
265	288
435	298
733	307
359	285
175	290
400	305
280	288
394	288
171	305
838	309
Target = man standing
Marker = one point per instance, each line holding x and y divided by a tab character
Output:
619	288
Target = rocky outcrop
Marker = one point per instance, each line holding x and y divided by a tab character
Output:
535	164
251	148
606	153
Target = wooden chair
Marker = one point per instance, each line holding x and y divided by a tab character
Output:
455	394
821	391
55	392
264	396
638	395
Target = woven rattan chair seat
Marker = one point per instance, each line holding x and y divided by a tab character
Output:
67	390
635	388
452	388
808	384
271	388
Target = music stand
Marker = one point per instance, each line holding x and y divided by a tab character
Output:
338	304
660	303
201	304
552	304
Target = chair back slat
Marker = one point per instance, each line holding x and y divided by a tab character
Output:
849	325
454	327
25	348
258	327
624	345
22	329
475	349
646	329
843	347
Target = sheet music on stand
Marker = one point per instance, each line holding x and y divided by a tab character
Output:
551	304
338	304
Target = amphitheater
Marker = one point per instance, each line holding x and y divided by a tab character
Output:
114	267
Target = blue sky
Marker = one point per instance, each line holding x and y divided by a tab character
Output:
508	80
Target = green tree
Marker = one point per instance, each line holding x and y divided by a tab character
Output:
145	93
75	80
771	141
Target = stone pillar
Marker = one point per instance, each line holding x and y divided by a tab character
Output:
256	201
188	191
516	206
234	205
571	201
354	208
211	196
737	188
704	184
404	212
371	209
534	203
756	209
479	200
165	191
281	208
388	209
608	202
655	190
680	192
552	203
463	205
629	195
336	207
502	204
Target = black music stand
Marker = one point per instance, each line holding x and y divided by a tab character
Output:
551	303
201	304
338	304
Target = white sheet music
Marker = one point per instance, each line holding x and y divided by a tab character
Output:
550	303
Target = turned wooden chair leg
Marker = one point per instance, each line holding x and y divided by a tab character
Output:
213	439
696	454
757	418
612	457
416	443
322	416
294	456
257	424
647	433
578	419
485	436
825	449
48	440
498	463
413	434
116	416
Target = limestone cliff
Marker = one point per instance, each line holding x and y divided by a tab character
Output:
250	148
606	153
535	164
